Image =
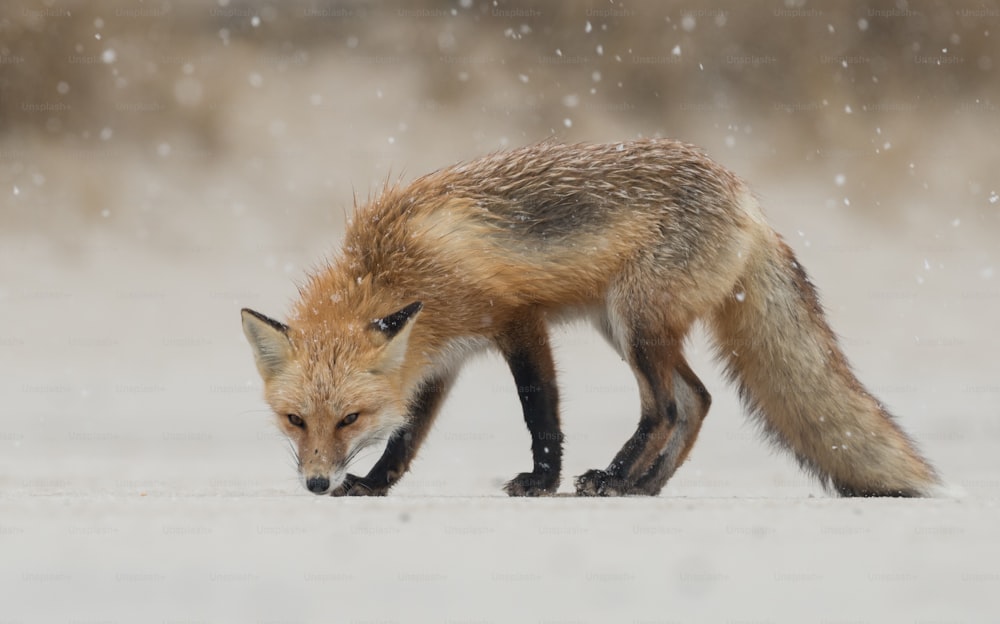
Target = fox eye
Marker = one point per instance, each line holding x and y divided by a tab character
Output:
297	421
348	420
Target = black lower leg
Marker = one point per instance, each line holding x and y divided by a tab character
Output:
641	451
533	372
403	445
639	455
650	435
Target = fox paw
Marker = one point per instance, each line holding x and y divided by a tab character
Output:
600	483
359	486
532	484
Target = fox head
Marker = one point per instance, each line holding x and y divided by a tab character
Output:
335	388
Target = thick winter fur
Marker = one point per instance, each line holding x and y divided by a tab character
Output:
644	238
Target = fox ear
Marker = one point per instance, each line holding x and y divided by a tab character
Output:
396	329
272	349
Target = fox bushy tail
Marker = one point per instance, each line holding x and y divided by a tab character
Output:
793	377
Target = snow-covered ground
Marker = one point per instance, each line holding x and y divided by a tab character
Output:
142	480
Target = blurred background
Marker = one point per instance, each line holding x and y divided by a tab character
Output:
165	163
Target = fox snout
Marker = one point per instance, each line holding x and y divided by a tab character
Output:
321	483
320	466
318	485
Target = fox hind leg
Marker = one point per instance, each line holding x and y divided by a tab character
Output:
653	358
648	335
693	402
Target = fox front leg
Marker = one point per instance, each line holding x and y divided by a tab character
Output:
526	348
402	447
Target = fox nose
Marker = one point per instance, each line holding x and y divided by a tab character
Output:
318	485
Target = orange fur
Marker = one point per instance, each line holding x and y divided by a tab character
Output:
642	237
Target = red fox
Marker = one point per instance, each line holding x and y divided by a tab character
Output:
642	238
